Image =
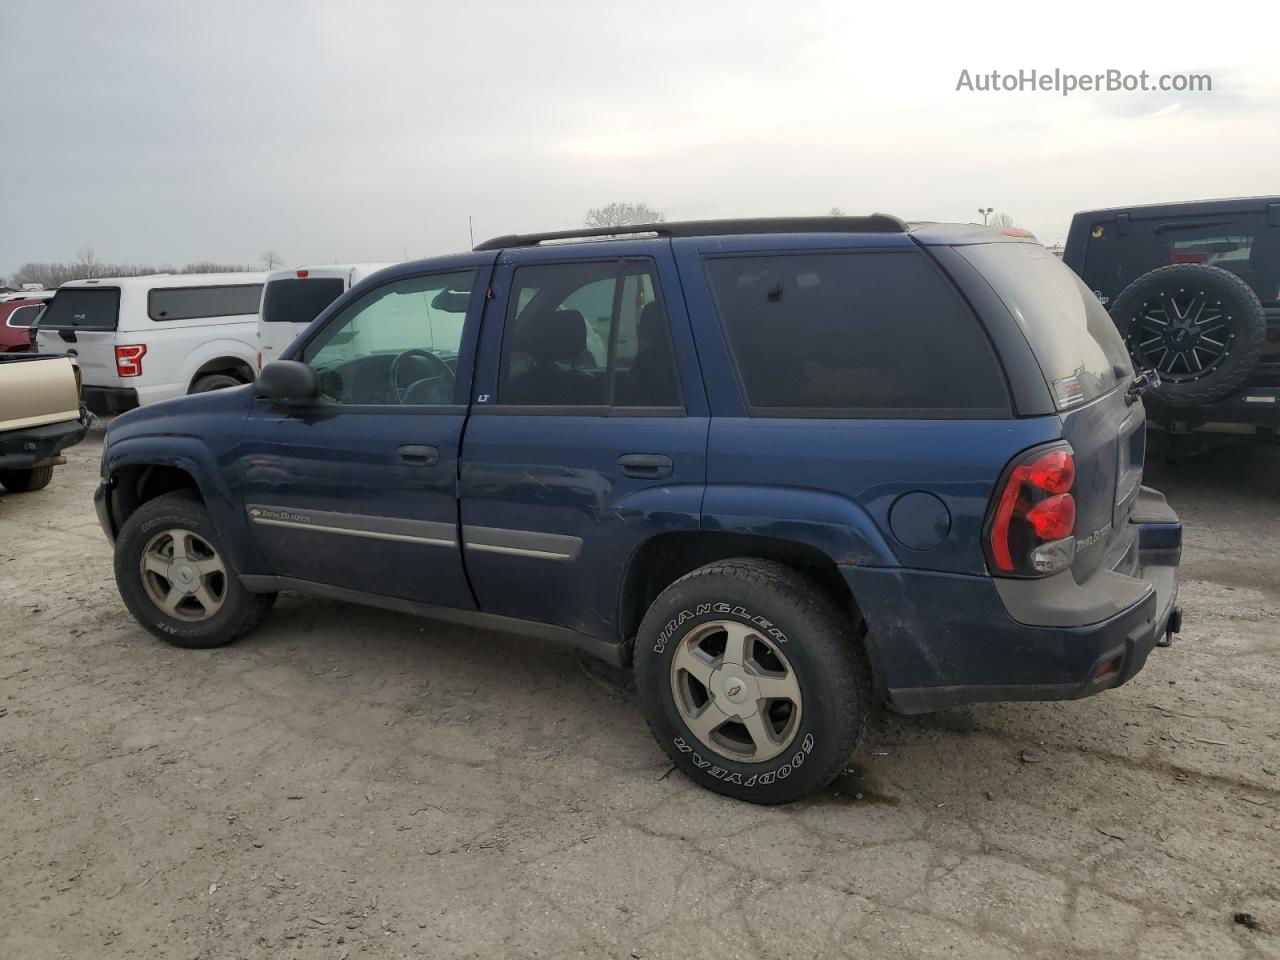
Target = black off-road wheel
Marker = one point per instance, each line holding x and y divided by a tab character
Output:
1201	328
176	578
752	680
24	481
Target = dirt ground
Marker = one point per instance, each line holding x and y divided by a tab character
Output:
348	783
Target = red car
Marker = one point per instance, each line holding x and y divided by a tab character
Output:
18	311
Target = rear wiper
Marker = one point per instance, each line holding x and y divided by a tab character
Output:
1144	381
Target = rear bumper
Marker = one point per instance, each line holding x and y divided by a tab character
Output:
37	446
109	400
938	640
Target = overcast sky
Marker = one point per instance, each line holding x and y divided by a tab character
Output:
166	132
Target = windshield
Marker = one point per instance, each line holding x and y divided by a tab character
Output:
81	308
1073	337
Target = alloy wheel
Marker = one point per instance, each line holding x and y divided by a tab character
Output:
736	691
183	575
1185	335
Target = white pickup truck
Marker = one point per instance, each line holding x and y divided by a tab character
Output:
40	416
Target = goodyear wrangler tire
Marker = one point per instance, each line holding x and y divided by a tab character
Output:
752	680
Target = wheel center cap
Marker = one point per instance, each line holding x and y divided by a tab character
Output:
184	577
735	694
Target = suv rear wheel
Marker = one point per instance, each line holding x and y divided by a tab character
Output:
176	578
752	680
1201	328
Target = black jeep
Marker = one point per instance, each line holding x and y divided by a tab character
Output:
1194	289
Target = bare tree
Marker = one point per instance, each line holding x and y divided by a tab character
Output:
271	260
87	267
622	215
1001	219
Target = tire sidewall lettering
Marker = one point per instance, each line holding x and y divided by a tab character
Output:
777	775
673	626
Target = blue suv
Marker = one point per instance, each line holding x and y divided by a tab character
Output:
783	467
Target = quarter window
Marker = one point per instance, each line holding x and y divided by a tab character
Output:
397	345
587	334
856	332
25	316
191	303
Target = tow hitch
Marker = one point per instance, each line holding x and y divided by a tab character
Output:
1171	626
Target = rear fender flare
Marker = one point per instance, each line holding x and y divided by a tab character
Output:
835	525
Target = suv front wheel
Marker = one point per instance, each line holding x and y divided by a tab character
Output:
752	680
176	578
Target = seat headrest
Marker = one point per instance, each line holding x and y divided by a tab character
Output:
649	325
558	336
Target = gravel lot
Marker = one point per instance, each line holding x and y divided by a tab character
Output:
349	782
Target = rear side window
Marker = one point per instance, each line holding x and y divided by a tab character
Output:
1243	244
25	316
298	300
587	334
854	334
78	308
1077	345
190	303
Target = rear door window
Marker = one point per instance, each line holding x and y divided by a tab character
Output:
191	303
854	334
1243	244
1073	337
79	308
587	334
299	300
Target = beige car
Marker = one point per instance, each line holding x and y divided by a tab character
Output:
40	416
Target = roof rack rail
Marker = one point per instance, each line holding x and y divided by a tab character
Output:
875	223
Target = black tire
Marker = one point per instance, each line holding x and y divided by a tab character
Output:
823	645
24	481
240	610
1194	374
214	381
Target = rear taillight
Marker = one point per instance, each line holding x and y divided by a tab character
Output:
1031	530
129	360
259	361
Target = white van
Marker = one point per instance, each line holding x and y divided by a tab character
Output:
143	339
291	299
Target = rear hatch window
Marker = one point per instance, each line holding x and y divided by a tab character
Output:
1073	337
299	300
81	308
1243	244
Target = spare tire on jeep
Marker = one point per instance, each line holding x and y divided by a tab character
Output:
1201	328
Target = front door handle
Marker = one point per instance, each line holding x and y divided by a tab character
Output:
645	466
419	456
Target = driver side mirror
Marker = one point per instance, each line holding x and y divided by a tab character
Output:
286	381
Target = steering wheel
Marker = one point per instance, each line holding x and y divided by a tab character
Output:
440	373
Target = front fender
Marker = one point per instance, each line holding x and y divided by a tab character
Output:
191	455
832	524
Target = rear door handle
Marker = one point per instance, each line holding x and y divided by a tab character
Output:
419	456
645	466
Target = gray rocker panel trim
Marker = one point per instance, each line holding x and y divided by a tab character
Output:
428	532
521	543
